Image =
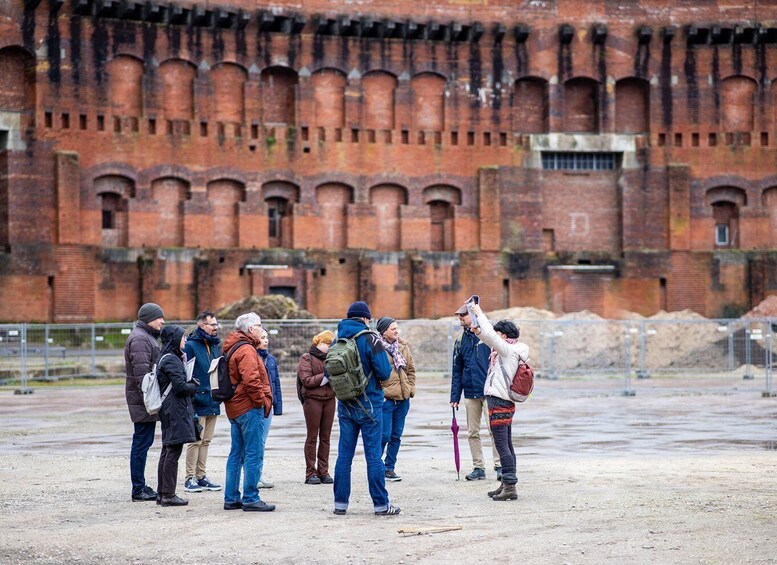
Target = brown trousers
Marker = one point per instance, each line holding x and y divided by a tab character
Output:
319	417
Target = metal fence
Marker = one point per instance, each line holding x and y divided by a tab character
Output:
624	353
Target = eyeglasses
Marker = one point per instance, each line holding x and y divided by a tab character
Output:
213	325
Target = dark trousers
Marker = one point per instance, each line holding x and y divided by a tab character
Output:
503	438
319	416
168	469
142	440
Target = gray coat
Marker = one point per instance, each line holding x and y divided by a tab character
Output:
140	353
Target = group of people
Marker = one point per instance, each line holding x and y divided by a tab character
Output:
482	354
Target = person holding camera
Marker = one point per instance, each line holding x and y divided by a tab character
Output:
506	354
176	413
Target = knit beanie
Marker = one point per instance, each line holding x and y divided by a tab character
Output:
150	312
384	323
359	310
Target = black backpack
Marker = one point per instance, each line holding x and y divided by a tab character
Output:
221	387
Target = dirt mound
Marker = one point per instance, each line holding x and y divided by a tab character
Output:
270	307
766	309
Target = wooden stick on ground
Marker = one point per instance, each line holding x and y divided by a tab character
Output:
422	531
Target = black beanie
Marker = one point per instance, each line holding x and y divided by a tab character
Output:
384	323
359	310
150	312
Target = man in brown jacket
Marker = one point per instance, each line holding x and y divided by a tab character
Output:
247	411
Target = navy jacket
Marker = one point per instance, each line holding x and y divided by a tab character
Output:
470	366
271	364
373	357
197	347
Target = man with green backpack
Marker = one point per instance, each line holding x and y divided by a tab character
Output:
355	364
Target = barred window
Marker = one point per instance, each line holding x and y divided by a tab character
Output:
578	161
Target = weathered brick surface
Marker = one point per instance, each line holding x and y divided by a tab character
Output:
401	156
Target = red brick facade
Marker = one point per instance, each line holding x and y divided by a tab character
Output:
403	155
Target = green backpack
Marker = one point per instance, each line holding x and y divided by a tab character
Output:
344	366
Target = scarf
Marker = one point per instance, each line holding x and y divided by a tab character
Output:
206	337
494	353
393	350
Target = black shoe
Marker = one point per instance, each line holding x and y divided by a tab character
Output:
233	505
314	480
258	507
326	480
149	490
340	511
390	511
173	501
392	476
143	497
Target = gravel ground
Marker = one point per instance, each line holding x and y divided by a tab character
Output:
669	476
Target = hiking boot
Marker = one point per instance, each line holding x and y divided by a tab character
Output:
191	485
326	479
508	493
477	474
389	511
174	500
313	480
265	484
260	506
498	473
493	493
392	476
205	484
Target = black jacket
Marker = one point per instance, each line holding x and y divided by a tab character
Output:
177	412
140	353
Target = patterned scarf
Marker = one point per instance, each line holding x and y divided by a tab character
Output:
393	350
494	353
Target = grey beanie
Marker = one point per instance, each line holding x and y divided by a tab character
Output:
150	312
384	323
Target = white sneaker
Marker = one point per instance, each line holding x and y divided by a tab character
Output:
265	484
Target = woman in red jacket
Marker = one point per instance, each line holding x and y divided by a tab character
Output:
318	404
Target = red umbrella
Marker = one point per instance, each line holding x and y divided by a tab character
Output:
455	430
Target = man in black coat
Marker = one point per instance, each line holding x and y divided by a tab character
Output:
140	353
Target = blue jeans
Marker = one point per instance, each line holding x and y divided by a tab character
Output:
394	413
266	432
245	453
142	440
352	421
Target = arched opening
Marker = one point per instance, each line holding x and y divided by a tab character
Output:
441	200
379	105
177	78
738	104
113	194
333	200
632	105
329	98
386	200
228	81
169	195
581	106
530	105
279	95
725	203
224	196
126	86
279	198
428	101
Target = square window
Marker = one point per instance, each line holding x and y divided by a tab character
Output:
722	234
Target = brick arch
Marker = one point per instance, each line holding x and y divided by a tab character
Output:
379	91
279	198
17	89
228	81
530	105
224	196
428	101
168	194
108	170
333	199
329	97
279	95
147	176
386	200
125	75
177	77
581	105
632	105
732	194
441	200
724	204
738	99
111	194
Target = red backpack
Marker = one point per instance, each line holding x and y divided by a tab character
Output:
522	384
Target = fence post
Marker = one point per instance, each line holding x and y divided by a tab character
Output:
730	327
768	362
46	353
24	389
627	390
642	372
748	369
94	354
